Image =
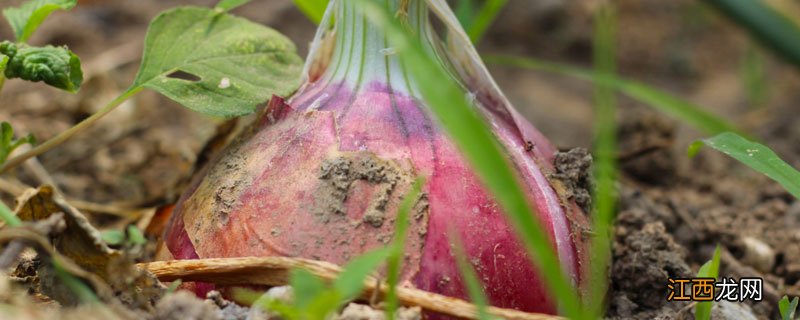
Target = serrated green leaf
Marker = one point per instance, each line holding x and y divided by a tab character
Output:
787	309
228	5
710	269
351	280
56	66
232	64
756	156
25	19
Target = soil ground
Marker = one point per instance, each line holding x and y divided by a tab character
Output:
673	209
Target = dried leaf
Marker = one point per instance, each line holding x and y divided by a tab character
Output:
80	241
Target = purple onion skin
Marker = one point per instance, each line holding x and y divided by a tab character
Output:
321	177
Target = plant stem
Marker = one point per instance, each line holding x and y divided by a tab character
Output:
8	216
63	136
2	82
605	148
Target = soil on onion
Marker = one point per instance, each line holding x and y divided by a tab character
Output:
673	210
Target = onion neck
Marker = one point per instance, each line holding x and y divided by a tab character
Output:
362	54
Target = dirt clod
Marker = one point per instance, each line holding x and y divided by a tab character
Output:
645	143
573	169
340	173
644	259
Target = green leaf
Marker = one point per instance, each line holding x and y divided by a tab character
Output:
306	287
135	236
478	144
173	286
787	309
216	63
605	132
756	156
710	269
662	101
113	237
266	302
25	19
395	259
228	5
313	9
3	63
471	281
313	299
765	23
76	285
465	12
8	216
7	142
351	281
486	15
754	77
56	66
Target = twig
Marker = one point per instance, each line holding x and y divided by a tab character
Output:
274	271
11	253
15	188
54	223
63	136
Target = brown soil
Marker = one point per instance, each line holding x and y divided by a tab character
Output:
673	210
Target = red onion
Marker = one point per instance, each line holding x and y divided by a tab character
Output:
321	174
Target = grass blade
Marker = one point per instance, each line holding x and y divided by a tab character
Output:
486	15
9	217
351	280
774	29
662	101
306	287
605	149
787	308
477	143
756	156
470	278
702	310
754	77
465	12
398	245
